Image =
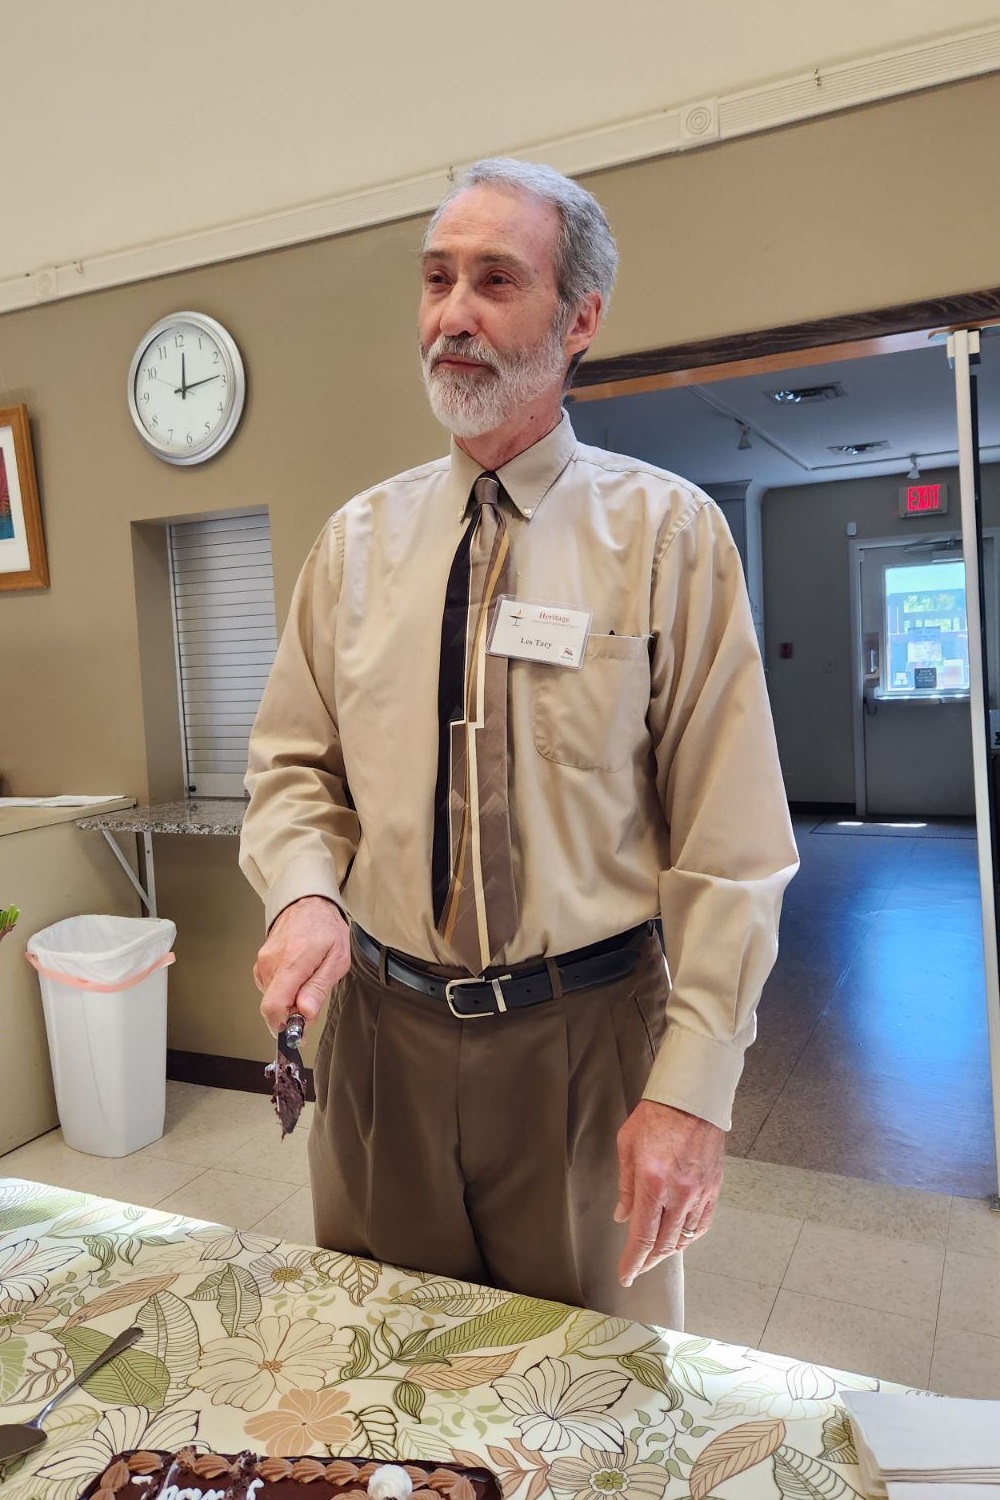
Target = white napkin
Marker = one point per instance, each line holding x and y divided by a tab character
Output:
938	1491
924	1443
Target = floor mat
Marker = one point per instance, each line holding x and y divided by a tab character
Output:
900	828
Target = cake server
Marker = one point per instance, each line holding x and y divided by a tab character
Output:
21	1437
287	1073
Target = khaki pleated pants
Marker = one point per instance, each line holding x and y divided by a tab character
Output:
485	1149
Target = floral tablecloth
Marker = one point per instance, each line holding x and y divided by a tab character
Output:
253	1342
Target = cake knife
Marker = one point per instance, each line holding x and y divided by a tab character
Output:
287	1073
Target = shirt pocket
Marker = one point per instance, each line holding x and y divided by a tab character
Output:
594	718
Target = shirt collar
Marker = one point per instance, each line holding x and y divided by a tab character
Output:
528	477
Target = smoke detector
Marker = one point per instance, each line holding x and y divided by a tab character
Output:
857	449
803	395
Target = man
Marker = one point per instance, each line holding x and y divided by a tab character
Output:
436	798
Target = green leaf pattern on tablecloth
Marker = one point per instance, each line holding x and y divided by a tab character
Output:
558	1401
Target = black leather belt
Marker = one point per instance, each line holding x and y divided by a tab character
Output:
494	992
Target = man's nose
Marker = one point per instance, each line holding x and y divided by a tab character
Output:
458	313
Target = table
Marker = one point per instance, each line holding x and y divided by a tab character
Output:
254	1342
211	816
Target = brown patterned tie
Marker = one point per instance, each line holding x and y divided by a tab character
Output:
475	904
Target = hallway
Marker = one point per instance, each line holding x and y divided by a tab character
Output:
872	1055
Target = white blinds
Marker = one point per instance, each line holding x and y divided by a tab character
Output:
223	591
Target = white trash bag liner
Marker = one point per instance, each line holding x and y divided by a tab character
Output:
104	993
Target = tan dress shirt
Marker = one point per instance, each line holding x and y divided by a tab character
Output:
645	783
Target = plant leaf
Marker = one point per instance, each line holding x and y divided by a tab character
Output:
375	1431
134	1378
800	1477
239	1299
409	1398
23	1206
517	1321
455	1298
838	1440
120	1296
588	1330
359	1278
650	1373
12	1352
461	1373
361	1360
733	1452
170	1329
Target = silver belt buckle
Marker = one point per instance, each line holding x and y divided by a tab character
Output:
461	1015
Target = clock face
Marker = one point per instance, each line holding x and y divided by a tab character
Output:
186	388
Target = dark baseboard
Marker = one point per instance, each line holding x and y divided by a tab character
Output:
243	1073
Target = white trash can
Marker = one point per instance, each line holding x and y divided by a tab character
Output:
104	995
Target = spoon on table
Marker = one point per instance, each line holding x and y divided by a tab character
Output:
20	1437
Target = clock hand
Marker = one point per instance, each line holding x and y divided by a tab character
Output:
195	383
183	385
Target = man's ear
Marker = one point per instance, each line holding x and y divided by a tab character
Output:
583	329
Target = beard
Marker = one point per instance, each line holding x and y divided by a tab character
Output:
470	403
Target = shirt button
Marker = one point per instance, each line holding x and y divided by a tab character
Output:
529	514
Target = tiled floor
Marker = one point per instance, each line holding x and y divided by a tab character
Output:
886	1280
872	1058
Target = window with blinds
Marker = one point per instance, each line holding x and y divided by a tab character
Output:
223	597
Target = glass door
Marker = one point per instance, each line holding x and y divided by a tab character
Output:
965	352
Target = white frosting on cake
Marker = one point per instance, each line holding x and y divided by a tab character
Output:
390	1482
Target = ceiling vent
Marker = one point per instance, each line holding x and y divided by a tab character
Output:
856	450
802	395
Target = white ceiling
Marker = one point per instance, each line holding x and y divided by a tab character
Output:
906	398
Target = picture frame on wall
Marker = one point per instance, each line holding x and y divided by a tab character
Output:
23	563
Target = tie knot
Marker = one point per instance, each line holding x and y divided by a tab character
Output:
486	490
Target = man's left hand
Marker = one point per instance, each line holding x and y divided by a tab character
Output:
669	1176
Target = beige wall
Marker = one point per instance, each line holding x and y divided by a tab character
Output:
807	589
798	224
128	132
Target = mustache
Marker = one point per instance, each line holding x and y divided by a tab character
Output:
461	346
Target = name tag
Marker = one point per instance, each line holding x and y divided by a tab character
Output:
540	632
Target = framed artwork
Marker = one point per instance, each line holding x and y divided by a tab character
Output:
23	564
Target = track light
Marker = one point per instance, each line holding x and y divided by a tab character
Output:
914	467
744	441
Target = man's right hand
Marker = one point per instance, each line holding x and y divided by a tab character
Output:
307	950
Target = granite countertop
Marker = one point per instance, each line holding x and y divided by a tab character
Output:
209	815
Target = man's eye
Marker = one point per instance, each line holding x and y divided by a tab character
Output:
435	278
499	278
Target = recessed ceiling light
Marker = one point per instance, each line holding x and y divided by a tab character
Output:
856	449
800	395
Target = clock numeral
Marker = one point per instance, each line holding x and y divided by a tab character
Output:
200	344
178	341
161	350
220	408
154	421
190	441
145	395
170	434
215	356
208	426
151	372
224	380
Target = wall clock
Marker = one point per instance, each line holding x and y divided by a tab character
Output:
186	388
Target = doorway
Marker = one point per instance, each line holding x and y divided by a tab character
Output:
850	909
912	726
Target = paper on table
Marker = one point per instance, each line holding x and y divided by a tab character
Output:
66	800
936	1490
933	1439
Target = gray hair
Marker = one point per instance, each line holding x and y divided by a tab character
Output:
586	256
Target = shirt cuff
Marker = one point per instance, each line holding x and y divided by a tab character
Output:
308	875
699	1074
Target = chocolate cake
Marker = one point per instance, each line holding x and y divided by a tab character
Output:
190	1475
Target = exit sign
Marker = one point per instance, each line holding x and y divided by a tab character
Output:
923	499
